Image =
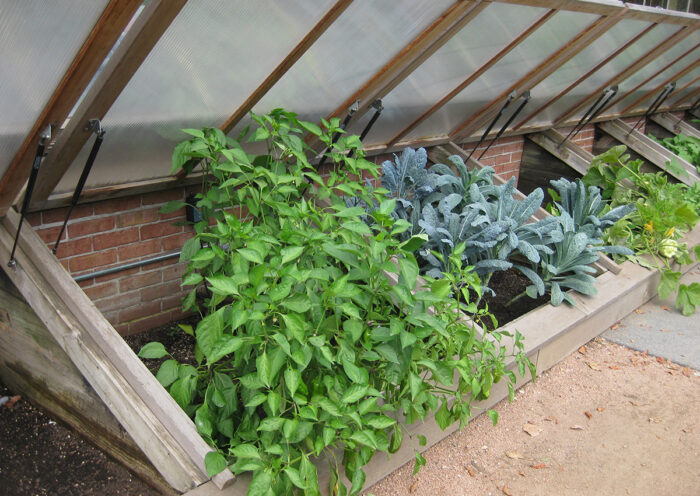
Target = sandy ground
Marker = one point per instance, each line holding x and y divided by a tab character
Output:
605	421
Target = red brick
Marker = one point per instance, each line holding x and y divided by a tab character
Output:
163	263
137	217
174	272
116	275
33	219
116	238
101	291
74	247
86	283
49	234
59	214
139	311
149	323
160	291
119	302
180	314
139	281
117	205
140	249
172	243
163	196
172	302
122	329
516	156
159	230
92	226
93	260
177	214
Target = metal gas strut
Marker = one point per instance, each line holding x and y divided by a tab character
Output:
526	98
593	111
95	126
655	105
353	108
43	141
378	107
510	98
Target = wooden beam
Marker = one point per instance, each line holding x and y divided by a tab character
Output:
683	97
585	76
651	150
678	91
99	42
628	71
570	153
128	56
315	33
539	73
474	76
411	56
675	125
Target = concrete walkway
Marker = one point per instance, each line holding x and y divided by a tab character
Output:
659	328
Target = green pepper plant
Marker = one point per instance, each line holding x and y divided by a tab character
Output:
317	339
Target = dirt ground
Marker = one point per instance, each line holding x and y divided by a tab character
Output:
605	421
608	421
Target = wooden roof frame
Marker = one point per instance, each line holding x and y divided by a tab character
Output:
113	20
117	72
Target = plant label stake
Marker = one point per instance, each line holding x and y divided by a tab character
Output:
526	98
43	140
510	98
655	105
592	112
96	127
353	108
378	107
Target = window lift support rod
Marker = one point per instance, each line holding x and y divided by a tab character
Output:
96	127
378	107
592	112
510	98
668	89
526	98
43	141
353	108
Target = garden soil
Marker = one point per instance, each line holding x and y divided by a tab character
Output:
605	421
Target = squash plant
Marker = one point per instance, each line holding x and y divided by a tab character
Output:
665	213
315	337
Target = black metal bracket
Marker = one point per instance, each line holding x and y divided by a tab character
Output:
510	98
378	107
592	112
343	125
44	138
526	98
668	89
95	126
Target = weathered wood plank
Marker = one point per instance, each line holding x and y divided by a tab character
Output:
650	149
675	125
32	362
570	153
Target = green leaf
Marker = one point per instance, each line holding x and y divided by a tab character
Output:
353	329
298	303
167	373
223	285
354	393
225	345
246	451
292	378
493	415
381	422
203	421
197	133
271	424
420	461
153	350
191	279
313	129
261	485
355	374
189	249
214	463
668	283
409	271
273	400
256	399
182	391
414	243
251	255
262	364
443	416
291	253
172	206
688	298
440	288
294	477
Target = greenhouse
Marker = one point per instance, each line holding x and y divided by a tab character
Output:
363	212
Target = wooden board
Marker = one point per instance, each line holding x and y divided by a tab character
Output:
650	149
568	152
675	125
30	362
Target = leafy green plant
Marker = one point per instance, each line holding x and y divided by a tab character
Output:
315	334
686	147
663	216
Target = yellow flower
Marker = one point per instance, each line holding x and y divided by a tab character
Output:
649	226
670	232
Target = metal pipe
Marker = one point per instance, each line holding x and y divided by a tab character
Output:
655	105
510	98
355	106
526	99
378	107
592	111
131	265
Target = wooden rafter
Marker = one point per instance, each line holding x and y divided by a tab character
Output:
687	96
315	33
104	34
628	71
674	125
624	95
539	73
658	88
474	76
588	74
128	56
412	55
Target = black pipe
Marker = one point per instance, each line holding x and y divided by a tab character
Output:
655	105
510	98
43	139
592	112
526	99
377	105
336	135
131	265
95	125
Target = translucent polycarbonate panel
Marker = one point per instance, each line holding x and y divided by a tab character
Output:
468	50
364	39
38	42
556	32
213	55
651	94
688	79
614	67
575	68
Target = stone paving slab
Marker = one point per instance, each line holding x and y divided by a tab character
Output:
659	328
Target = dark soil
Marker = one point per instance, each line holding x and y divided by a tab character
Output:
178	343
41	457
507	285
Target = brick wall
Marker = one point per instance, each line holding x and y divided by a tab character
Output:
504	155
584	138
115	232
